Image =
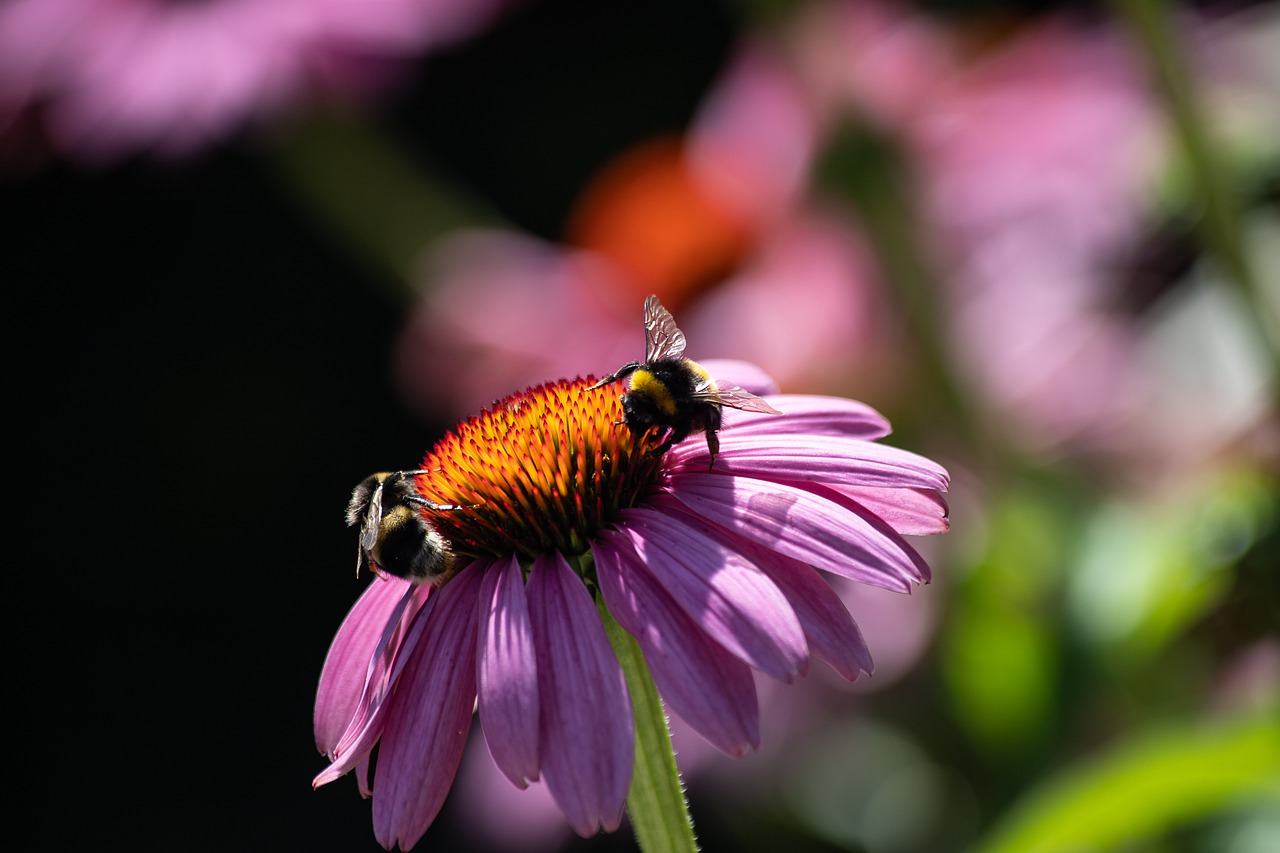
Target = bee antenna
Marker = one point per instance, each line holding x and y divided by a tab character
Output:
621	373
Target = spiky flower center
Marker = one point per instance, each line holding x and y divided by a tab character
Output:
541	471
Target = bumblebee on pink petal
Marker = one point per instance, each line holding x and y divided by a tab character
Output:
556	502
670	392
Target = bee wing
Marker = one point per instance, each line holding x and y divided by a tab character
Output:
662	338
372	521
736	398
361	560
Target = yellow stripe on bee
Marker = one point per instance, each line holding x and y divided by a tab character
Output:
645	383
699	371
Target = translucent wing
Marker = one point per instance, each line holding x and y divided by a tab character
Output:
736	398
662	338
361	560
372	520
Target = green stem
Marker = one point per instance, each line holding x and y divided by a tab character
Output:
383	203
1221	223
656	804
870	171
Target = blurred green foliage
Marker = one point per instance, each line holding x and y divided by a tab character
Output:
1150	783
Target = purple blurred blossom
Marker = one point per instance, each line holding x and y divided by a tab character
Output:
112	77
754	137
1036	153
1039	161
504	309
876	59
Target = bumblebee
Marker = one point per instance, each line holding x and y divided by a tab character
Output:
395	537
673	392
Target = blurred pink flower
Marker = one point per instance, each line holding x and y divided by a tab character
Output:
1035	153
504	308
714	573
716	224
1042	160
753	140
111	77
496	815
1056	125
876	59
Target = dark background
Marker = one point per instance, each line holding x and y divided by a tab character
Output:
200	375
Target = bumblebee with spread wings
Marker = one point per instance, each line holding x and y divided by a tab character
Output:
673	392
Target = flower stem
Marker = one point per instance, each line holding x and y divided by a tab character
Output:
384	204
1150	21
870	170
656	804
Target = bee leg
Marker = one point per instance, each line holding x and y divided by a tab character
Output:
674	437
421	501
621	373
663	448
713	445
432	505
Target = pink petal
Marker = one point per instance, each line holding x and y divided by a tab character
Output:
369	718
802	524
923	574
507	674
722	592
710	689
912	512
820	459
351	655
587	727
362	777
811	415
430	718
832	634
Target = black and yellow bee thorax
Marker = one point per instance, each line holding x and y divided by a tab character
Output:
667	386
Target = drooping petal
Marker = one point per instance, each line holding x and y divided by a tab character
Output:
923	574
832	634
911	512
507	674
587	728
369	719
724	593
429	719
708	687
819	459
351	655
804	525
362	776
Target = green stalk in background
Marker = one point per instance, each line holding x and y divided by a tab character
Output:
384	204
1220	223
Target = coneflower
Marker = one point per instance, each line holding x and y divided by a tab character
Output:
569	522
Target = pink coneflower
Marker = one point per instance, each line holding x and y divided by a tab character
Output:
112	77
714	573
1034	151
